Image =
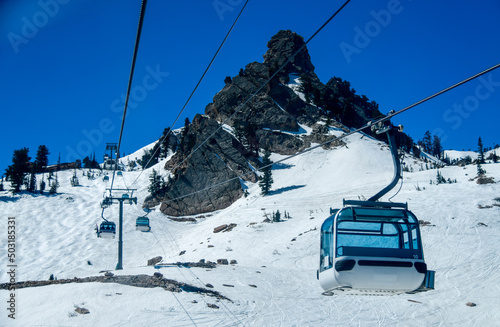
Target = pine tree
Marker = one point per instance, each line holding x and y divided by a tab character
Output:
480	151
267	179
156	183
54	186
74	180
164	143
147	159
480	170
32	182
94	163
42	158
246	133
86	162
480	158
19	168
42	185
277	216
416	151
186	127
306	87
436	147
426	142
131	164
1	184
439	178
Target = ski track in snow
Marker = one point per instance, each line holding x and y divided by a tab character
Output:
55	235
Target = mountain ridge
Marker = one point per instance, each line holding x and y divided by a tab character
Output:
272	119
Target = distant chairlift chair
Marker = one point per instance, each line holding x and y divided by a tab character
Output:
107	229
142	224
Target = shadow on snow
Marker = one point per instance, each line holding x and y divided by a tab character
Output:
285	189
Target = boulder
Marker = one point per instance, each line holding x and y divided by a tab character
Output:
220	228
82	311
154	261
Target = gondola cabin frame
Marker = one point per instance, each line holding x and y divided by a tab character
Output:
371	248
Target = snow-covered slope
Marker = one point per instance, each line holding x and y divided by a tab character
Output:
274	282
454	154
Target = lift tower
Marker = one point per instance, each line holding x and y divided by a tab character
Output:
127	197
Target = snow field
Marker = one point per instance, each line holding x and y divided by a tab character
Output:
56	236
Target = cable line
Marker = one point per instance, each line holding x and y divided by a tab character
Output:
131	77
198	279
263	85
195	88
369	124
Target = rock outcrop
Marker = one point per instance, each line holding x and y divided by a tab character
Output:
144	281
218	160
205	176
281	47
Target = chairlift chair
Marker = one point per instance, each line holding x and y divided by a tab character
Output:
106	203
142	224
109	164
373	248
107	229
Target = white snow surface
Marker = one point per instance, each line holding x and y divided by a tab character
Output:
295	84
55	235
454	154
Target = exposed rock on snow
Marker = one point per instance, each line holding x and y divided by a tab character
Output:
222	262
220	228
131	280
218	160
154	261
82	311
212	306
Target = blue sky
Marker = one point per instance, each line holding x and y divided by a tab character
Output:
64	64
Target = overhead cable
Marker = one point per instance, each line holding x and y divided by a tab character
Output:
131	77
262	86
195	88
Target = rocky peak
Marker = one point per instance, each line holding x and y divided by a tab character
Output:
273	120
281	47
